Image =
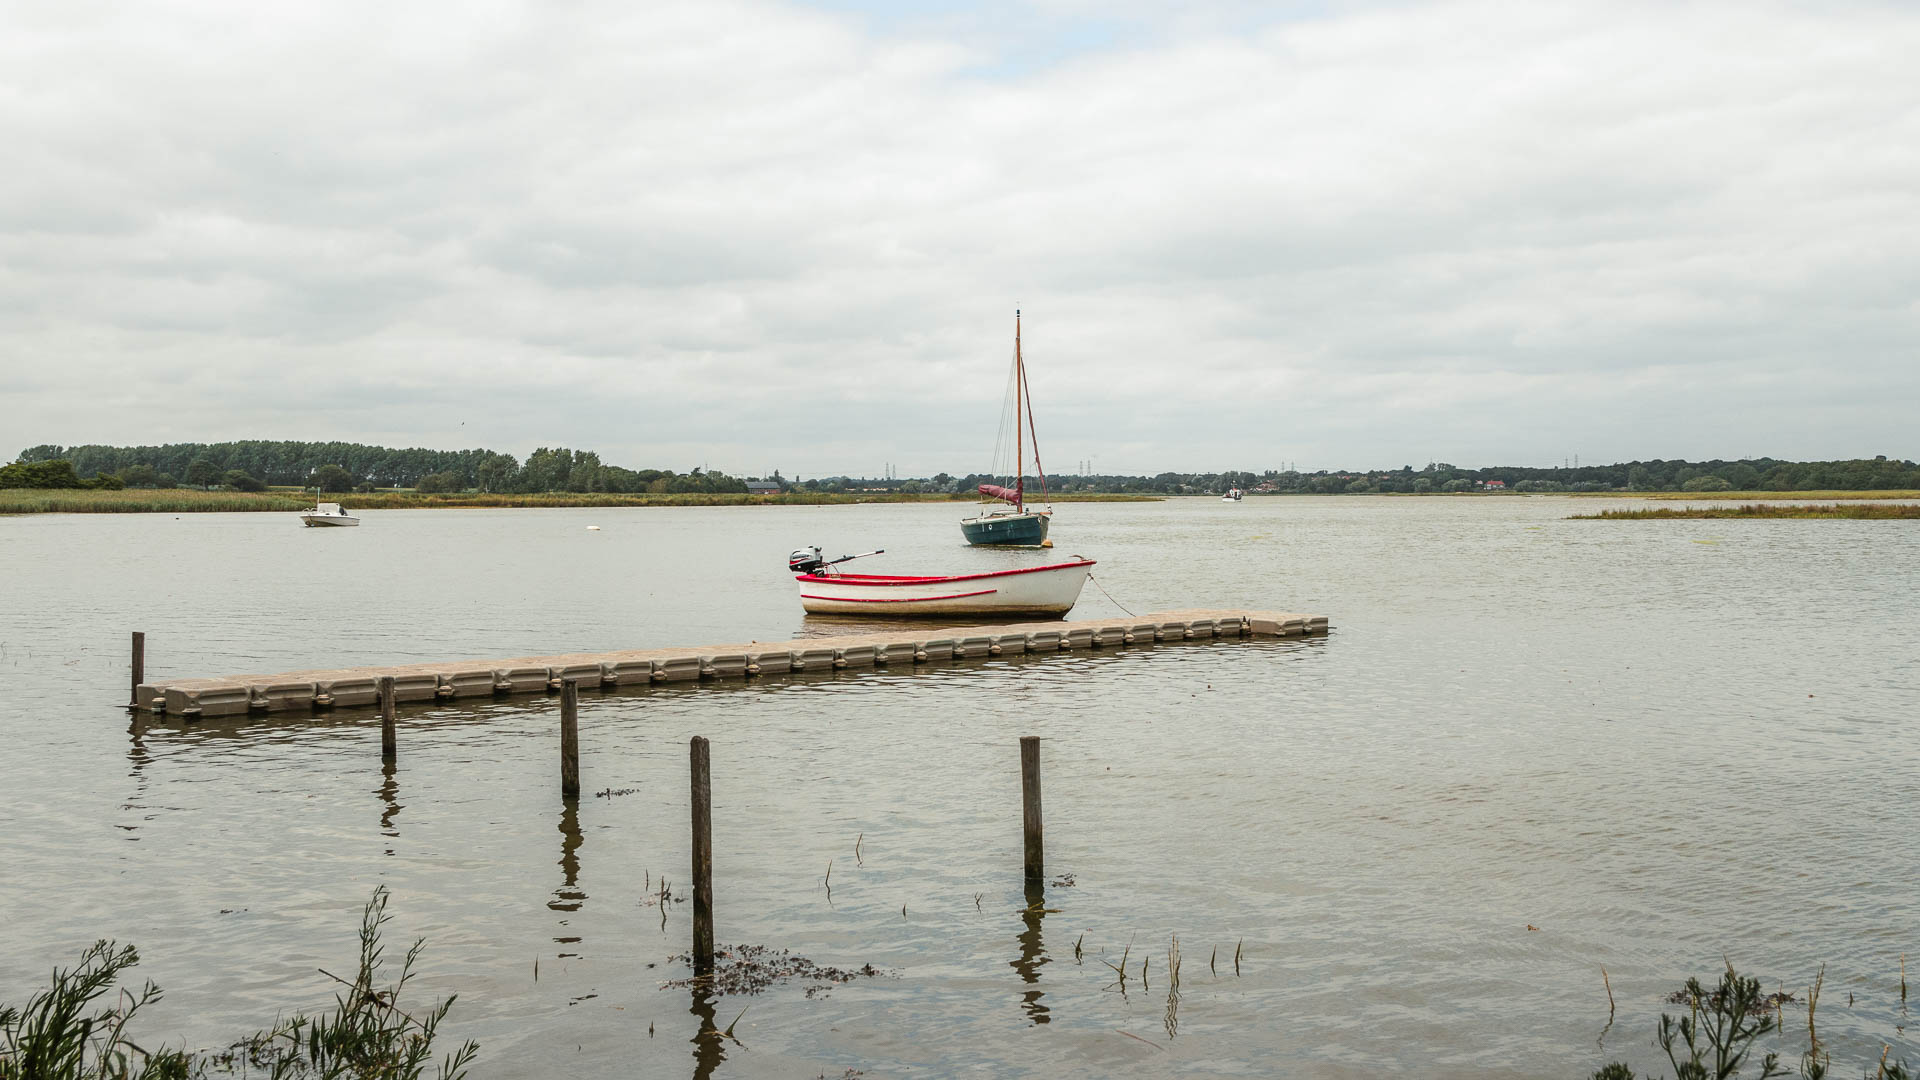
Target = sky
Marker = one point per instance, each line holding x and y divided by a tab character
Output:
754	235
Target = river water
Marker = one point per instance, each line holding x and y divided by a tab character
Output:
1530	748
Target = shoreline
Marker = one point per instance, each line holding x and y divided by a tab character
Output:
21	501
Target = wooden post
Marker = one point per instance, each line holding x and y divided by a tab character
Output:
1030	805
389	742
139	668
702	859
570	739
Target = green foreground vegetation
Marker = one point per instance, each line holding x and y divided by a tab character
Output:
1856	511
62	1033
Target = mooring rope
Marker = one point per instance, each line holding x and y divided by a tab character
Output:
1108	595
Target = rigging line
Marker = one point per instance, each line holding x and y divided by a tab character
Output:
1108	595
1032	433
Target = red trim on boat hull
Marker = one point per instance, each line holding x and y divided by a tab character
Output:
897	599
895	579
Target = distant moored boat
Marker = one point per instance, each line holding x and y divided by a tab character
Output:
328	514
1018	526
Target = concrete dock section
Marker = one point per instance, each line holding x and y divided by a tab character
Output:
908	646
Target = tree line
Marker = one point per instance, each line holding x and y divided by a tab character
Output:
341	467
256	464
1749	474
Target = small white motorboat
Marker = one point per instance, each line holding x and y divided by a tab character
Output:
328	514
1233	495
1031	591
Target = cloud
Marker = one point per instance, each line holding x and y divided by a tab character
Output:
754	234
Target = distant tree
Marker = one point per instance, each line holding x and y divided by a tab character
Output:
143	476
202	473
439	483
1706	483
496	472
57	473
1458	483
330	479
238	480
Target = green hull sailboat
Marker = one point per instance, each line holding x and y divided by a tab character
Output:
1017	526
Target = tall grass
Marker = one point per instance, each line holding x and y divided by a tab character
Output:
1857	511
61	1035
1730	496
188	500
132	501
1719	1031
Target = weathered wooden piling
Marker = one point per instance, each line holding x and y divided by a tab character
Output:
139	668
702	859
389	738
570	738
1030	806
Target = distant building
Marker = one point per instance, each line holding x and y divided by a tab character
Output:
762	487
1496	485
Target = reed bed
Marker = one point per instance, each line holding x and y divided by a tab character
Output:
1829	495
168	501
189	500
1856	512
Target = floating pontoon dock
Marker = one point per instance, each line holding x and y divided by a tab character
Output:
308	690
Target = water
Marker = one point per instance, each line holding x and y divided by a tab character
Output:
1658	742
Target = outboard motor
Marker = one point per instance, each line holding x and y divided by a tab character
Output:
805	561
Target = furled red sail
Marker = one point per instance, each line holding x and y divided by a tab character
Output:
995	491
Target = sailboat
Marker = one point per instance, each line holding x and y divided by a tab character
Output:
1017	526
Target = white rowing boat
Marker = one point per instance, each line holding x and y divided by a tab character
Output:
1028	591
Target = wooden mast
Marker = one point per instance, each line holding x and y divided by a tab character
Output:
1019	435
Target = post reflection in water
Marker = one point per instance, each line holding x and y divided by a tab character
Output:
1033	953
709	1043
569	896
138	759
389	792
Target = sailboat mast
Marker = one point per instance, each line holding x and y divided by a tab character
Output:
1019	435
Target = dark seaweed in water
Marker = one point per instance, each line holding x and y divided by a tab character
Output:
749	969
1715	1001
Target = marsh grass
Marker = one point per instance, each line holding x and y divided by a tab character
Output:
1716	1037
133	501
368	1035
189	500
1731	496
1856	512
61	1034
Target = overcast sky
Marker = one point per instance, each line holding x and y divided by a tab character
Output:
759	235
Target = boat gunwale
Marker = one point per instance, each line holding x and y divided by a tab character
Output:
881	580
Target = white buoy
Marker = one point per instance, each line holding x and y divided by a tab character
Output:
593	528
1046	543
